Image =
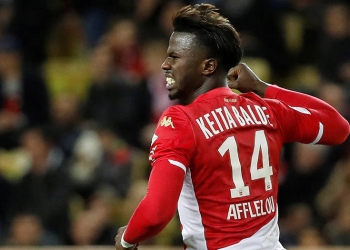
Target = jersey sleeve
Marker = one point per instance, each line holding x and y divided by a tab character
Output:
307	119
170	151
159	204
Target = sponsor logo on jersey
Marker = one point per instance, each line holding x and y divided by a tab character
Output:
230	100
166	122
251	209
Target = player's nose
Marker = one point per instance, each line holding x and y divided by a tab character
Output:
166	65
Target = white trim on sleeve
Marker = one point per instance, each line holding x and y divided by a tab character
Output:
178	164
301	110
124	243
319	135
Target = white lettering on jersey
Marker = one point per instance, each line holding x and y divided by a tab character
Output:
252	115
251	209
246	117
221	119
238	116
204	129
261	114
229	118
211	124
267	116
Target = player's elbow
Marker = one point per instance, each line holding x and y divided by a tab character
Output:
345	136
343	130
164	216
338	132
158	223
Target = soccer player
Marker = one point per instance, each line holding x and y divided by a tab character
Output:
215	156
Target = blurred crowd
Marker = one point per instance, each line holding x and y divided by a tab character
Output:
81	89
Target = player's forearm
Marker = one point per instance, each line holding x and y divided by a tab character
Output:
159	205
143	225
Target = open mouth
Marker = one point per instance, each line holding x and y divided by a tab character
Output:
169	82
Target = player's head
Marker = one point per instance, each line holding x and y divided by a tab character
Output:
203	46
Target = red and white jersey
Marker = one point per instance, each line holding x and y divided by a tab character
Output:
217	159
229	147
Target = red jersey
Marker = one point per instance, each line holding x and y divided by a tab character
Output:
228	147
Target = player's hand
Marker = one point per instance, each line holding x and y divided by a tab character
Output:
118	238
245	80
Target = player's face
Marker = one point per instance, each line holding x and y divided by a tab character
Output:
183	67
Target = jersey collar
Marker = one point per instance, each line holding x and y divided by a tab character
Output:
215	92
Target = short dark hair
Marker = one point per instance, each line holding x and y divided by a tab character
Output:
212	30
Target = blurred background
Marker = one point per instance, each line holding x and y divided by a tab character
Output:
81	89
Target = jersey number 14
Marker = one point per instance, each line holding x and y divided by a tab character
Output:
265	172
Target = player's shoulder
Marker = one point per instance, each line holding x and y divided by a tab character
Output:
173	117
273	108
261	100
174	111
254	98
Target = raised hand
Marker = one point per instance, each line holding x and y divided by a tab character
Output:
245	80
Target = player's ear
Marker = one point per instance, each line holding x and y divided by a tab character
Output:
209	66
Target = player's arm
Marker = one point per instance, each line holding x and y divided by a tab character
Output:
331	126
159	204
